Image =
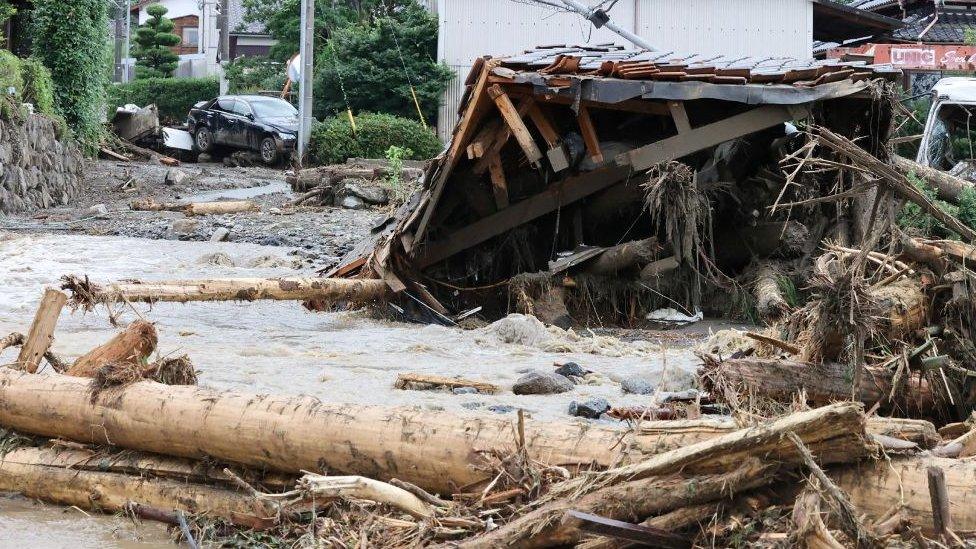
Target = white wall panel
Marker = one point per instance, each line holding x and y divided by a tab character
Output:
781	28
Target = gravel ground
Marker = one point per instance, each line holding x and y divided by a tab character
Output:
318	235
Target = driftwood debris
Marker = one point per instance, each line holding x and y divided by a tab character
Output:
409	381
38	341
335	291
948	187
129	349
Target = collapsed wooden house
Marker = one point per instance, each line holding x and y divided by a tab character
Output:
551	167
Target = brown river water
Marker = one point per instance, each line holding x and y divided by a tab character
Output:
279	348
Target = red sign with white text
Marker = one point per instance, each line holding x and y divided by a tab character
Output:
914	56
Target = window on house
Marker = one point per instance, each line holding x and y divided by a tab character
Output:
191	36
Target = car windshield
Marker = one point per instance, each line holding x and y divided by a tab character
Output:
273	108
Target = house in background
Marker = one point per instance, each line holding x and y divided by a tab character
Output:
758	28
931	44
198	25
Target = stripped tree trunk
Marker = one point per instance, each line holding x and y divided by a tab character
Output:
436	451
220	208
36	473
782	380
874	487
234	289
131	348
625	256
949	187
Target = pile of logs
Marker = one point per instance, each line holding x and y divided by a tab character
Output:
103	435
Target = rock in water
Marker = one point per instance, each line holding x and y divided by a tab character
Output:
465	391
637	386
590	409
571	369
542	383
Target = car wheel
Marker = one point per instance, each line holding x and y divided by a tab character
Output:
204	140
269	150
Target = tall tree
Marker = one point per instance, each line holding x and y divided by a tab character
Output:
69	38
154	58
379	63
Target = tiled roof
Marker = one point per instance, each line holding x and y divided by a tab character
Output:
950	27
632	64
237	23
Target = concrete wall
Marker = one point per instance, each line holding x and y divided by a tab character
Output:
472	28
36	170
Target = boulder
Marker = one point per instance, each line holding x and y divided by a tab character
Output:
220	235
351	202
175	176
571	369
184	226
637	386
369	193
590	409
542	383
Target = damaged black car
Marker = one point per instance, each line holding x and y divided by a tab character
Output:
267	125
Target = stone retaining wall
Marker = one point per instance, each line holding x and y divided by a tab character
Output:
36	170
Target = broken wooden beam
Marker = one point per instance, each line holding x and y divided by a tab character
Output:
513	118
499	185
41	334
590	136
331	290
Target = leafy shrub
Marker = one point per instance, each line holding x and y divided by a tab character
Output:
333	140
255	74
914	219
174	96
38	86
10	73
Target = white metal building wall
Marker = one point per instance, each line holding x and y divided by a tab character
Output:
472	28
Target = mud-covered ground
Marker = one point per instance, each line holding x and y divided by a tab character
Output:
318	235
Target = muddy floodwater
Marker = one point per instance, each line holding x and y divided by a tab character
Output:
280	348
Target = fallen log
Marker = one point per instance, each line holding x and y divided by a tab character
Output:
41	335
129	349
670	434
782	380
625	256
436	451
551	526
948	187
409	381
770	303
37	473
332	290
740	460
221	208
874	487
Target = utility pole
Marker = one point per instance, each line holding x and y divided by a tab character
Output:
305	100
128	38
224	23
600	18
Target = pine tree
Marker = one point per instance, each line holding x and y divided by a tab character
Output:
154	59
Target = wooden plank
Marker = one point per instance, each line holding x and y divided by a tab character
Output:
515	124
712	134
481	142
545	126
680	116
590	137
499	185
576	188
41	333
644	535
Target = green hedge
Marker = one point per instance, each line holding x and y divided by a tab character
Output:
333	140
38	86
174	96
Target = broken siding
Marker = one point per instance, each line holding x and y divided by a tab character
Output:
470	29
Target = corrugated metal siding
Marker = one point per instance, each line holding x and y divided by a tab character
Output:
447	116
741	27
472	28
